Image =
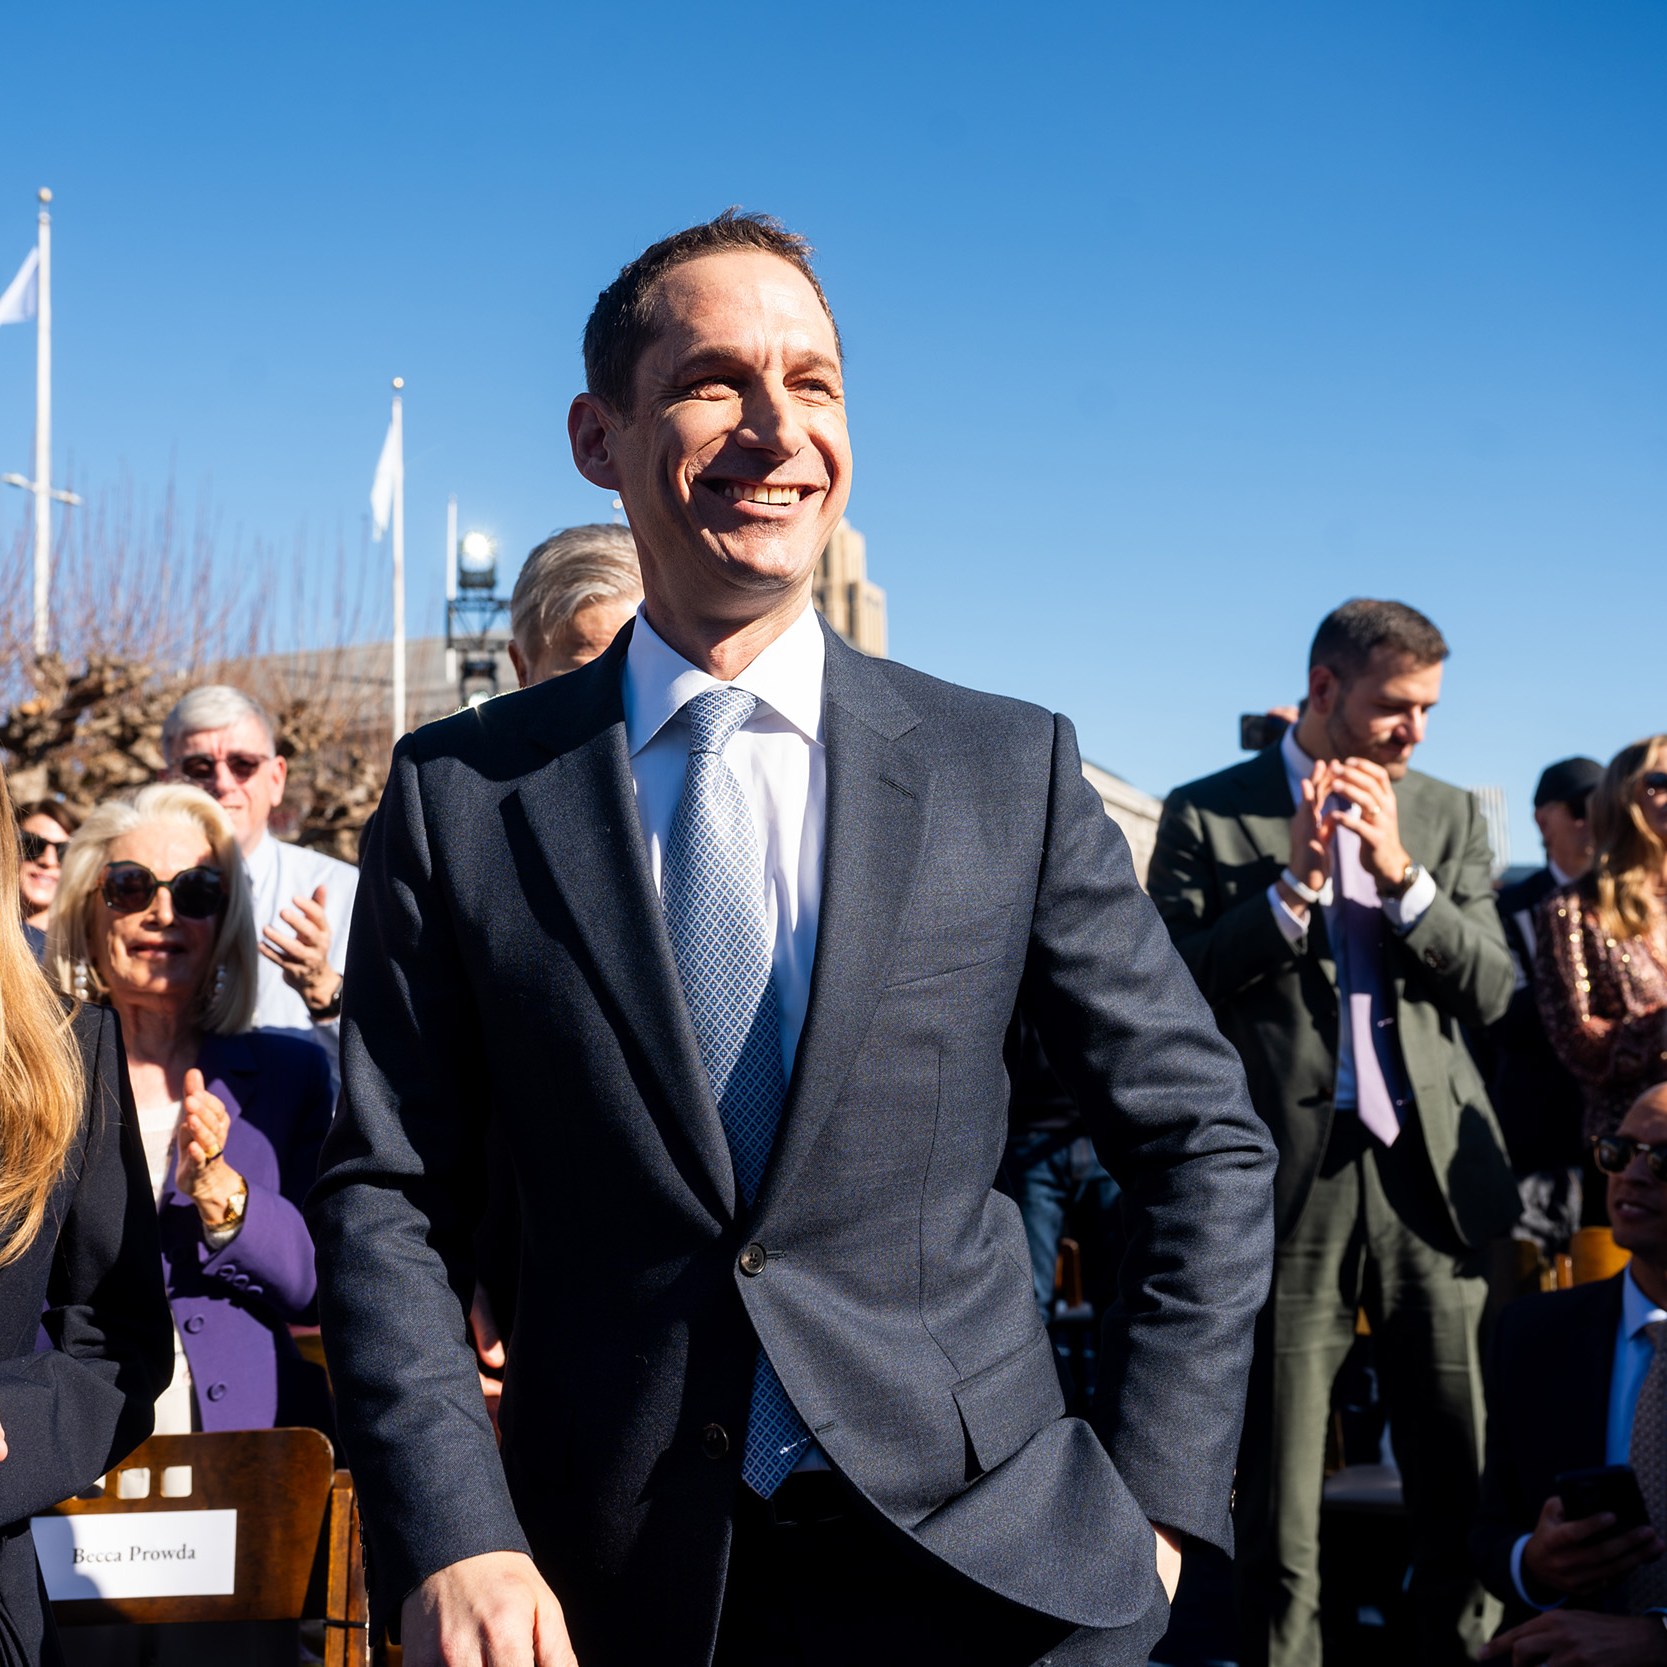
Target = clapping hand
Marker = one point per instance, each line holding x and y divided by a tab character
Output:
202	1173
304	959
1372	812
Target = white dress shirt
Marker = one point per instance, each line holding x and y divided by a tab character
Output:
279	873
1402	913
780	760
1634	1353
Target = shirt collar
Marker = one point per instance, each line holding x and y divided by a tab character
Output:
261	861
1558	875
787	676
1298	765
1637	1311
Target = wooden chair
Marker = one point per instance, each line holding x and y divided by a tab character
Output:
1593	1254
297	1532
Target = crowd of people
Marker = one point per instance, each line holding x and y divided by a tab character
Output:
776	1401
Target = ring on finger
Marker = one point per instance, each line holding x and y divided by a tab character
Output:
209	1157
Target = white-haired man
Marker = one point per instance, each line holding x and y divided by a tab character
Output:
219	739
575	591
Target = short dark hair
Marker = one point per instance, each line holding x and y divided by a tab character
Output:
66	816
624	322
1348	635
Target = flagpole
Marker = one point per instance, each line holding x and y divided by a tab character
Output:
451	583
399	559
43	426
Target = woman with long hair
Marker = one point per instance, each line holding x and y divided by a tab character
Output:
1601	966
154	916
78	1258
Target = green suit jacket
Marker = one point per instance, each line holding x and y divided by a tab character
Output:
1221	843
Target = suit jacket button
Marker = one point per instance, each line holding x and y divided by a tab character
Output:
194	1324
1434	958
752	1260
714	1441
217	1392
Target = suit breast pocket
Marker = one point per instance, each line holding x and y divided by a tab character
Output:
932	948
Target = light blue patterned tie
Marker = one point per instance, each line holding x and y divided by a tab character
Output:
713	894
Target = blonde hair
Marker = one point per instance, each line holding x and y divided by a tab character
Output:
225	1004
43	1087
1629	851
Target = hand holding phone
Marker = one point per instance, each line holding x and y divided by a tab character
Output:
1591	1536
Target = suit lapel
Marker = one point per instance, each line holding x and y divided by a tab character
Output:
581	811
1591	1362
877	811
1265	814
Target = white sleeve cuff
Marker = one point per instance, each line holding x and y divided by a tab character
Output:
1404	913
1516	1577
217	1238
1294	927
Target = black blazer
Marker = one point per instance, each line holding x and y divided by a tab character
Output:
1548	1376
1540	1105
74	1410
509	966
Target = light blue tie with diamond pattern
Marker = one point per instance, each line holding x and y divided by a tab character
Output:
713	894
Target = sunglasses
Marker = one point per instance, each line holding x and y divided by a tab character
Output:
1613	1153
202	766
34	846
197	893
1655	783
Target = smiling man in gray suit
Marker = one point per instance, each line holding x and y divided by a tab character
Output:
718	939
1336	908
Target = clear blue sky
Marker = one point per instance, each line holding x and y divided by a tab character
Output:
1170	324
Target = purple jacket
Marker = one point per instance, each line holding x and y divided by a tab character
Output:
233	1306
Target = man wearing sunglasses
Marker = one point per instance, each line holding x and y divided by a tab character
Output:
219	739
1578	1379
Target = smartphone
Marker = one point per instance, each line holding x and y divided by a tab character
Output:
1260	729
1609	1487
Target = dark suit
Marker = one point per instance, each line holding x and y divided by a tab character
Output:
1538	1101
72	1411
510	962
1390	1228
1548	1411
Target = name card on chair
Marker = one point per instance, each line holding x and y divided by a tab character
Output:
137	1554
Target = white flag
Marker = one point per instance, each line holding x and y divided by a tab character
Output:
382	488
22	297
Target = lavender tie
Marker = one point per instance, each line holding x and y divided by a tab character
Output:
712	894
1357	927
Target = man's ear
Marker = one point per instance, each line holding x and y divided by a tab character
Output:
519	661
1322	689
590	431
280	775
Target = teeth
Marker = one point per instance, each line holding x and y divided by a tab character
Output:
738	492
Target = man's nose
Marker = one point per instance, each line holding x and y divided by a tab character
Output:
1415	723
771	419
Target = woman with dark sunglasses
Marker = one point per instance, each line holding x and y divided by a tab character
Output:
1601	968
153	915
78	1248
43	830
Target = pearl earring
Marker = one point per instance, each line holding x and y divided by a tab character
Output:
83	982
219	981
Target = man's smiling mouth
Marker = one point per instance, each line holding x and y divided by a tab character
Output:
753	492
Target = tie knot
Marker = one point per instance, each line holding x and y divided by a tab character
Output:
715	715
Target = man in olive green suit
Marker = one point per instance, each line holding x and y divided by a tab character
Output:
1336	910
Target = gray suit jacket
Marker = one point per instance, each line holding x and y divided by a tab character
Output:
1221	843
510	971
